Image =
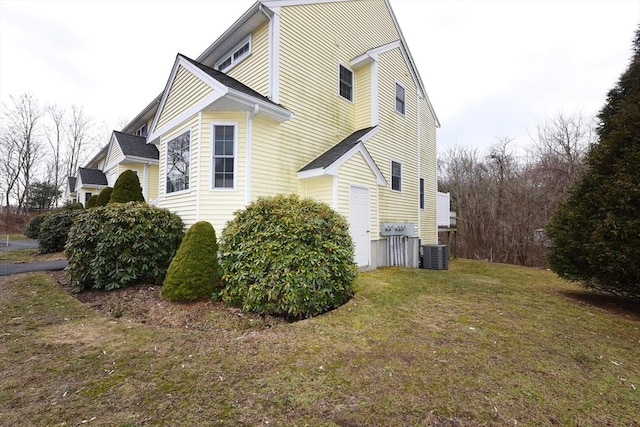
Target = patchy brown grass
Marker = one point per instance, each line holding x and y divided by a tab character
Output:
480	344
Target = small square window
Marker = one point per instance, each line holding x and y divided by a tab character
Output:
346	83
400	99
396	176
421	193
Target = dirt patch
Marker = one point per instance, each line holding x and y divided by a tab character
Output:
144	304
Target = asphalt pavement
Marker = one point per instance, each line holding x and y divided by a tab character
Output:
26	267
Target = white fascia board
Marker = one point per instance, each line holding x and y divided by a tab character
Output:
276	112
141	160
312	173
358	148
114	163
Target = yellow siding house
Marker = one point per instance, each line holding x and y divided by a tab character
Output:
318	98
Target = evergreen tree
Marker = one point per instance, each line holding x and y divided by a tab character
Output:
595	234
104	197
127	188
91	203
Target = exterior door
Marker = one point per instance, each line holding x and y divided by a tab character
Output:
359	226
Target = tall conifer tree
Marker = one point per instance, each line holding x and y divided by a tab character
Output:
595	234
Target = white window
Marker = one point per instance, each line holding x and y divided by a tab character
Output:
178	159
223	156
235	56
112	179
142	131
400	99
396	176
346	83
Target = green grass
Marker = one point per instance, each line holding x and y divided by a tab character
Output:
18	255
479	344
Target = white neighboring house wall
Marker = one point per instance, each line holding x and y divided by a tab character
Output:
443	206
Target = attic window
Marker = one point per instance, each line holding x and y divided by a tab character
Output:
142	131
400	99
235	56
346	83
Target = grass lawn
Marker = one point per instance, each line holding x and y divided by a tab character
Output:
479	344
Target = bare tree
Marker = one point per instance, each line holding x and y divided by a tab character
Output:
78	133
55	137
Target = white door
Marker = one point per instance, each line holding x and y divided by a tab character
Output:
359	226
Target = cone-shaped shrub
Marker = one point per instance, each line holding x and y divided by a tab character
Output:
287	256
104	196
127	188
91	203
193	273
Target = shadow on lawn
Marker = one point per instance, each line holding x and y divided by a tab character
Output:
613	303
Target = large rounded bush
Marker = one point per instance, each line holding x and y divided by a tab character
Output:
287	256
32	229
115	246
127	188
55	229
193	273
92	202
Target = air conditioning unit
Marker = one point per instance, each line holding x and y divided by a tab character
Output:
435	257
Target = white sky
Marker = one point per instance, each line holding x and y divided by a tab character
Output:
492	69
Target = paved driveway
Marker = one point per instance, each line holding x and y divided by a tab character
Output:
25	267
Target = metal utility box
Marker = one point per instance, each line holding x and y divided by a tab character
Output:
397	229
434	257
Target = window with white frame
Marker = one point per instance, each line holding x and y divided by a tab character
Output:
400	99
112	179
421	193
178	159
346	83
224	150
142	130
396	176
235	56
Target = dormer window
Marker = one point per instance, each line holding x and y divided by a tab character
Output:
235	56
142	131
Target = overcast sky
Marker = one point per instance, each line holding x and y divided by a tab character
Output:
491	69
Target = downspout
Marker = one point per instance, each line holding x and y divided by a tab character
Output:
274	52
249	147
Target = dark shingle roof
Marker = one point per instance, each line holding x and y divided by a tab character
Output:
132	145
230	82
340	149
72	184
92	176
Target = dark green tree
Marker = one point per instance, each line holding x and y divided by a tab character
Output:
595	234
127	188
92	202
43	195
104	197
193	272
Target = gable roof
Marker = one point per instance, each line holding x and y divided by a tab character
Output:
234	96
329	161
92	176
136	146
72	184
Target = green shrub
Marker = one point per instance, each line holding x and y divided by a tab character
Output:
193	273
32	229
55	229
91	203
71	206
104	196
115	246
287	256
127	188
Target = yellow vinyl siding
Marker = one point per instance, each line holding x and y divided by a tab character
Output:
357	172
428	171
320	188
254	70
397	139
218	205
182	203
153	182
362	78
185	90
114	154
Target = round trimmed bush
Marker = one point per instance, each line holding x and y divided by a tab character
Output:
55	228
104	196
119	245
32	229
193	273
287	256
127	188
91	203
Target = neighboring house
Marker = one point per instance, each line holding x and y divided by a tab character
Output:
70	194
123	152
317	98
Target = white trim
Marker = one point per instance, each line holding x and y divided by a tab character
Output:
353	81
166	163
249	153
391	162
199	167
395	98
231	53
212	126
375	89
274	55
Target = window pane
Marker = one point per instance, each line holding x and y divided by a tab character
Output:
396	176
400	99
223	159
346	83
178	153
